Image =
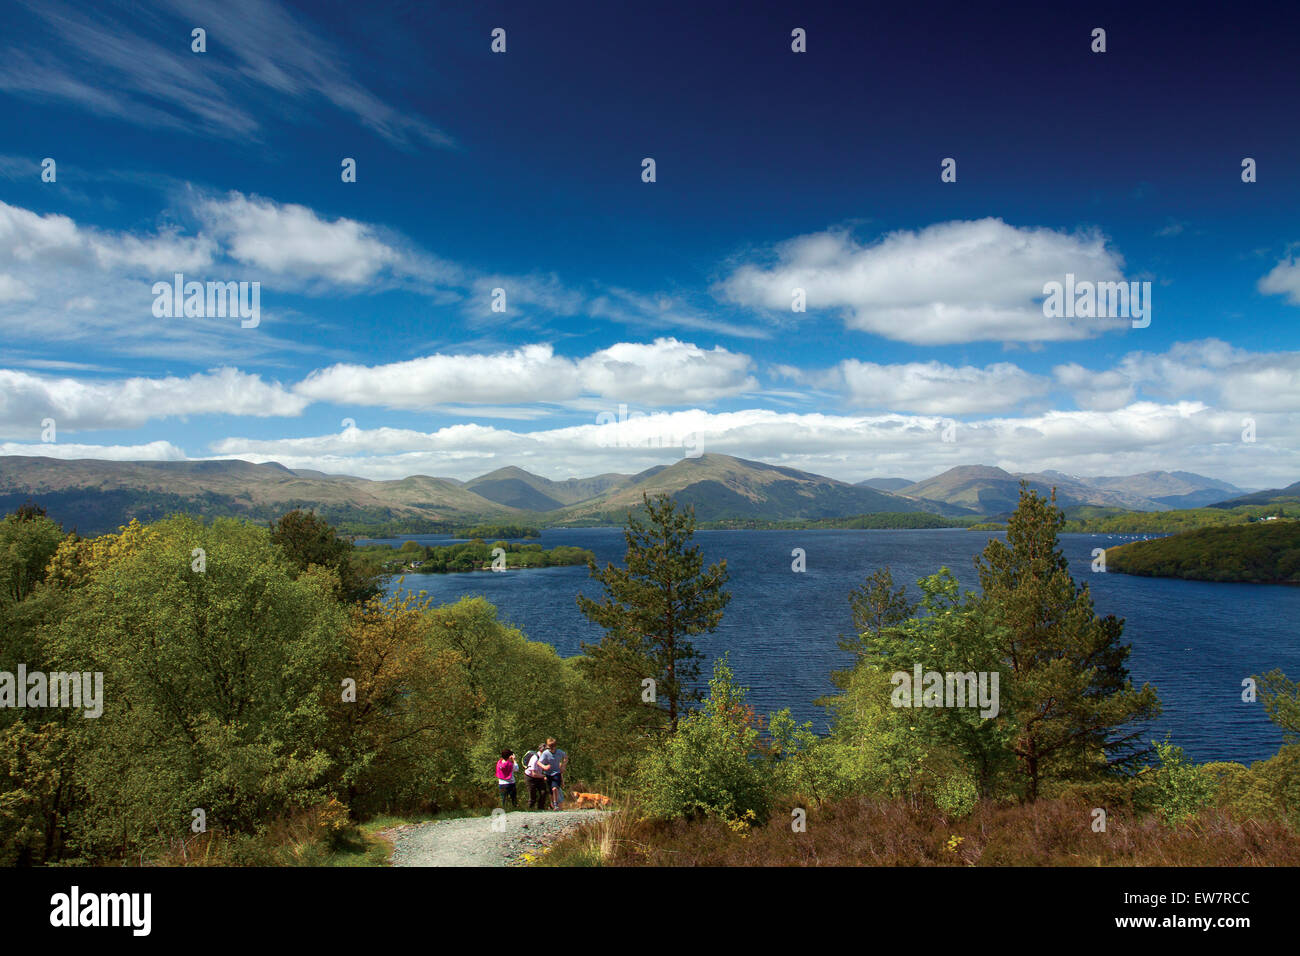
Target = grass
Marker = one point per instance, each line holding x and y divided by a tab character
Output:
869	832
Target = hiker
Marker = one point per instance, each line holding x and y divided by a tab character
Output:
506	779
553	761
537	786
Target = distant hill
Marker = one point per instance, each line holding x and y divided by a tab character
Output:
993	491
723	488
887	484
978	488
1275	496
97	496
516	488
1174	489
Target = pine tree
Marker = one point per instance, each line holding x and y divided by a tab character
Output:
653	607
1069	689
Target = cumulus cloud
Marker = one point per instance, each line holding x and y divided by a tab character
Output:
292	240
1283	279
664	372
1210	370
77	404
150	451
928	387
963	281
1144	436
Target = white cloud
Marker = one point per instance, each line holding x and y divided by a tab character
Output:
664	372
928	387
78	405
1144	436
1210	370
151	451
267	56
14	290
1283	279
292	240
949	282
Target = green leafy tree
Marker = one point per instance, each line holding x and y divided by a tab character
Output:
1281	698
217	680
1068	692
310	540
28	539
653	607
925	750
875	605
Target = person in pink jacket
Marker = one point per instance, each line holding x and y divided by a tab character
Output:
506	779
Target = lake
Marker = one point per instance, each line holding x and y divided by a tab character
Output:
1195	641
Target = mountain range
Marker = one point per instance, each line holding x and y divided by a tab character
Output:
96	496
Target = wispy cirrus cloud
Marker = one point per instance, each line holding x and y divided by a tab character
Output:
136	64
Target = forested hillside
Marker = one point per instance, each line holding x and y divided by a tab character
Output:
1267	552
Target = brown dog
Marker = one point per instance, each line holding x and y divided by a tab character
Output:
584	800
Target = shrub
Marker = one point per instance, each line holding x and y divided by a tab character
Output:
1178	789
710	765
956	795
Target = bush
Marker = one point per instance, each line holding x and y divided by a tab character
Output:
710	765
1178	789
956	795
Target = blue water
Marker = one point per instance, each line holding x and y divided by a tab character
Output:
1195	641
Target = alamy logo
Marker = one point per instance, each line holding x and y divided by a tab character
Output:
38	689
952	689
211	300
1085	299
635	429
75	908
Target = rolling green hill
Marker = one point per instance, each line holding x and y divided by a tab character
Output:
722	488
993	491
516	488
1290	495
97	496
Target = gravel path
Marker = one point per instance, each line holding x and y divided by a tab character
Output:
472	841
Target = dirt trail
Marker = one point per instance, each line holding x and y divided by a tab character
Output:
472	841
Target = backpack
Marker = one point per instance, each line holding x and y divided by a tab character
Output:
528	759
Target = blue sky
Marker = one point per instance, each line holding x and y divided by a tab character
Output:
669	300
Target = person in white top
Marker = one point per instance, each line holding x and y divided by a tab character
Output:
538	786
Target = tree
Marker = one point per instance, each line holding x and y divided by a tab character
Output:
1069	694
310	540
875	606
1281	699
653	607
398	739
217	683
28	539
903	750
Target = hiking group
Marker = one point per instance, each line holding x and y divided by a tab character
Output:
544	768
